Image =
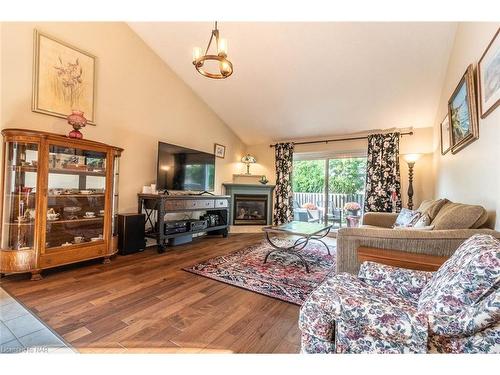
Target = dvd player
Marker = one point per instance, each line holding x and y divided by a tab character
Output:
198	225
176	226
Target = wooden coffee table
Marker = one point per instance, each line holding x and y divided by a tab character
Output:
306	232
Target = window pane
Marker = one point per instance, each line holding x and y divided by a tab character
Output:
346	184
309	190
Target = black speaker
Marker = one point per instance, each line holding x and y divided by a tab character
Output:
131	238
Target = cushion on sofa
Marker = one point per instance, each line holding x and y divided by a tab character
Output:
407	218
423	222
459	216
481	221
431	207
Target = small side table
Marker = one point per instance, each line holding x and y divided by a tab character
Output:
353	221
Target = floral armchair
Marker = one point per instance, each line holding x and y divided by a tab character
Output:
394	310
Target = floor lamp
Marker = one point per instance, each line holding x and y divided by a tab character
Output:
411	159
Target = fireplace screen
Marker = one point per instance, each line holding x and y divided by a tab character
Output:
250	210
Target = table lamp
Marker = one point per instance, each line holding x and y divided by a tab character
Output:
248	159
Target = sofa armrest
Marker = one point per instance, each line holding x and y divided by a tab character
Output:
434	242
469	320
403	282
380	219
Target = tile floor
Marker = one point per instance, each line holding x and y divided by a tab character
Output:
22	332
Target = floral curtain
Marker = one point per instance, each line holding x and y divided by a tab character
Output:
283	203
383	181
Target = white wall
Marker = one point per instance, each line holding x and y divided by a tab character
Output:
140	101
472	175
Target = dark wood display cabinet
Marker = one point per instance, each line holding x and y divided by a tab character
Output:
60	199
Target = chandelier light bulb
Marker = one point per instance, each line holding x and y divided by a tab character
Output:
197	52
225	69
222	48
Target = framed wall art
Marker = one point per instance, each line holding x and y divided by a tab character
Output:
220	151
462	113
63	78
445	135
488	70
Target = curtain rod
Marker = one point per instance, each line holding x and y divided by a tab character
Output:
337	140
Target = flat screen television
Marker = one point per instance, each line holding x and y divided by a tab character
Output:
181	168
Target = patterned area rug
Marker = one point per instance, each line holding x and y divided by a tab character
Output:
283	276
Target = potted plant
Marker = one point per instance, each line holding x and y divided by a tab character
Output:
352	208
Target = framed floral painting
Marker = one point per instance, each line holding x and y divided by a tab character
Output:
445	136
63	78
462	113
488	71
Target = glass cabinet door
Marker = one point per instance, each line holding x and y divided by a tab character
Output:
76	196
116	176
19	201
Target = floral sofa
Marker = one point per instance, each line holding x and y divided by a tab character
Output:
394	310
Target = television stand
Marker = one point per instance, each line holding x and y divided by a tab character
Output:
156	206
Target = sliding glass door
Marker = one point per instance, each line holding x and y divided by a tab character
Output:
346	184
322	187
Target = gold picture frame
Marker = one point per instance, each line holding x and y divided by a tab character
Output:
462	113
489	82
64	78
445	135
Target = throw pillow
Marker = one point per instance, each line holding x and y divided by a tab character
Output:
407	218
431	207
459	216
423	222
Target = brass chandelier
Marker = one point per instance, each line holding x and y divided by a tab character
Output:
224	65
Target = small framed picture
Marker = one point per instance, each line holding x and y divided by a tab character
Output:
220	151
445	135
462	113
488	71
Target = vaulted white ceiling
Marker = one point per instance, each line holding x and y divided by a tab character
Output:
296	80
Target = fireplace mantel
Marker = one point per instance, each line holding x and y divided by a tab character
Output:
232	189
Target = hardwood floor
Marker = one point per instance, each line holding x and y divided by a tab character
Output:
145	303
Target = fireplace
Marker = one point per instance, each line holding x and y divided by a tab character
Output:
250	209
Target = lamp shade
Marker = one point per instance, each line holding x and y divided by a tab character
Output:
412	158
248	159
